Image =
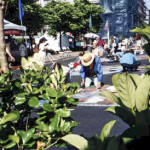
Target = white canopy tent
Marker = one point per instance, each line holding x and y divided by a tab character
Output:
11	26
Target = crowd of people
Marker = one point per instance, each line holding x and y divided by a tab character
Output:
90	63
124	52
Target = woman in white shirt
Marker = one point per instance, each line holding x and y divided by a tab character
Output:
43	47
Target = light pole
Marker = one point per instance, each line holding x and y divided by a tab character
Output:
4	64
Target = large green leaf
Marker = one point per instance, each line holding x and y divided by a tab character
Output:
106	130
136	79
143	118
142	94
33	102
111	96
26	135
13	116
76	140
116	144
144	32
146	48
126	90
124	113
114	80
144	25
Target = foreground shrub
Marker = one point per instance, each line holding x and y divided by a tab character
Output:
33	115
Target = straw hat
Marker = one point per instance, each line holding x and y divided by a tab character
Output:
87	59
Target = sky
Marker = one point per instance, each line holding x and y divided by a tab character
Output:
147	3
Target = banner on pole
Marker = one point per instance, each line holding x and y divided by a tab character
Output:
21	10
106	25
90	21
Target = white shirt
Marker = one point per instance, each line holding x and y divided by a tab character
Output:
42	50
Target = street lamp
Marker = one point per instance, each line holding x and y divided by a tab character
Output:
4	64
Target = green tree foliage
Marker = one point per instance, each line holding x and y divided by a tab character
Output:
33	18
74	18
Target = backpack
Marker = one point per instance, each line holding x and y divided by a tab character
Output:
36	49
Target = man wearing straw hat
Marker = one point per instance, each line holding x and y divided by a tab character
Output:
91	70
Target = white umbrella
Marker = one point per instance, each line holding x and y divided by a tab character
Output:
91	35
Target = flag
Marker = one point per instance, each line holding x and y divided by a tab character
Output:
106	25
90	21
21	11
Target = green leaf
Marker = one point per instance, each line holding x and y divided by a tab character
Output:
106	130
20	99
10	145
124	113
43	126
136	78
143	118
76	141
116	144
142	94
2	78
33	102
26	135
14	138
114	80
47	107
111	96
24	62
63	112
126	90
54	81
51	92
57	72
13	116
55	123
60	94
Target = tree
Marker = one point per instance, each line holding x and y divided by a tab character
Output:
74	18
4	64
33	18
58	17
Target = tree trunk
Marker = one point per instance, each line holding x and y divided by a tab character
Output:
4	64
74	41
60	41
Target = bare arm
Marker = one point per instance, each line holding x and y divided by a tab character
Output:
9	54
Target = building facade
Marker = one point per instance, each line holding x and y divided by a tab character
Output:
122	15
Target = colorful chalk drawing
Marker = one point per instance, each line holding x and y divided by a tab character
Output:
92	97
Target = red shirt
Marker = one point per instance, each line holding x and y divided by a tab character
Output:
101	43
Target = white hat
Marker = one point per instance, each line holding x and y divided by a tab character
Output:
87	59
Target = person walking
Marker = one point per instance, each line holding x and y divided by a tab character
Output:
43	47
91	70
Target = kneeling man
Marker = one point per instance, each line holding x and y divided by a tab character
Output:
91	70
